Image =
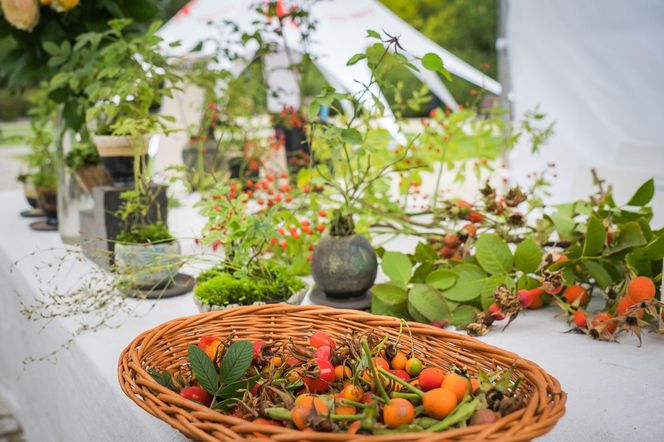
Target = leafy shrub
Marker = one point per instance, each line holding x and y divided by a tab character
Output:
82	155
143	234
219	287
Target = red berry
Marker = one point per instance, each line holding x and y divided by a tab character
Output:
320	339
580	319
323	353
495	311
197	394
320	228
258	346
525	297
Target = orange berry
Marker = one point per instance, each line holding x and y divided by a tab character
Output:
430	378
574	293
641	289
381	362
604	322
457	384
352	392
580	319
399	361
398	412
342	372
474	385
439	402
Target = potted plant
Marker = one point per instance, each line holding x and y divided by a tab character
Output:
245	276
84	162
146	254
45	182
30	195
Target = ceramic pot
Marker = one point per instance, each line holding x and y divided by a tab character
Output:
117	156
148	265
296	146
30	194
344	266
48	202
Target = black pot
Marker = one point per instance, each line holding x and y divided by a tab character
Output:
212	157
239	168
48	202
344	266
30	195
121	169
297	148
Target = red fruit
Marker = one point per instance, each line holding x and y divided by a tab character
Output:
495	311
320	228
580	319
447	252
197	394
322	213
604	320
401	374
463	204
440	324
574	293
320	384
476	217
322	353
525	297
381	362
536	298
431	378
320	339
210	345
258	346
641	289
624	306
451	240
470	229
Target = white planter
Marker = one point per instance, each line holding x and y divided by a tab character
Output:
118	146
148	265
295	299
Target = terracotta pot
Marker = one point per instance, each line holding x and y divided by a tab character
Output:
344	266
48	202
151	266
117	156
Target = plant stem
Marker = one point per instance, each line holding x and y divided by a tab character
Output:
401	382
372	367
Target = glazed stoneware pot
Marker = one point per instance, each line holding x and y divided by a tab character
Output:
148	265
48	202
344	266
117	156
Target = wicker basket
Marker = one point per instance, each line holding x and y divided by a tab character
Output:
165	347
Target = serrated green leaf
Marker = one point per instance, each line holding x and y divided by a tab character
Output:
389	300
203	369
441	279
470	279
493	254
163	378
598	271
630	235
397	267
355	58
426	304
528	255
643	194
236	361
654	250
595	237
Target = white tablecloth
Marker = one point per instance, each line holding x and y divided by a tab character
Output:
615	390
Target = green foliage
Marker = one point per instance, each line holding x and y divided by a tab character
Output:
144	234
82	155
220	286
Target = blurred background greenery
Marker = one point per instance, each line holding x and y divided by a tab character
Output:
467	28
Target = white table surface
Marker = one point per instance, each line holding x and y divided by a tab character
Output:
615	390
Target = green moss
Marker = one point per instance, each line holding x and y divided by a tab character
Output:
218	287
143	234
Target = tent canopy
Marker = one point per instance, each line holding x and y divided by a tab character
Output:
341	27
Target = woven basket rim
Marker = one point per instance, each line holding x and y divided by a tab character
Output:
136	383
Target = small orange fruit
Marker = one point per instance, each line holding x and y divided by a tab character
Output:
641	289
399	361
430	378
604	321
352	392
308	407
398	412
439	402
342	372
457	384
574	292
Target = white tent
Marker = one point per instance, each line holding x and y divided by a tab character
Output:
340	33
596	68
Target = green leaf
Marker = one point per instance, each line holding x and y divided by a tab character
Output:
433	62
563	220
470	279
528	255
397	267
598	271
236	389
163	378
424	252
236	361
426	304
389	300
422	272
373	34
490	285
355	58
441	279
528	283
51	48
630	235
493	254
462	315
595	237
351	136
203	368
644	194
651	252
